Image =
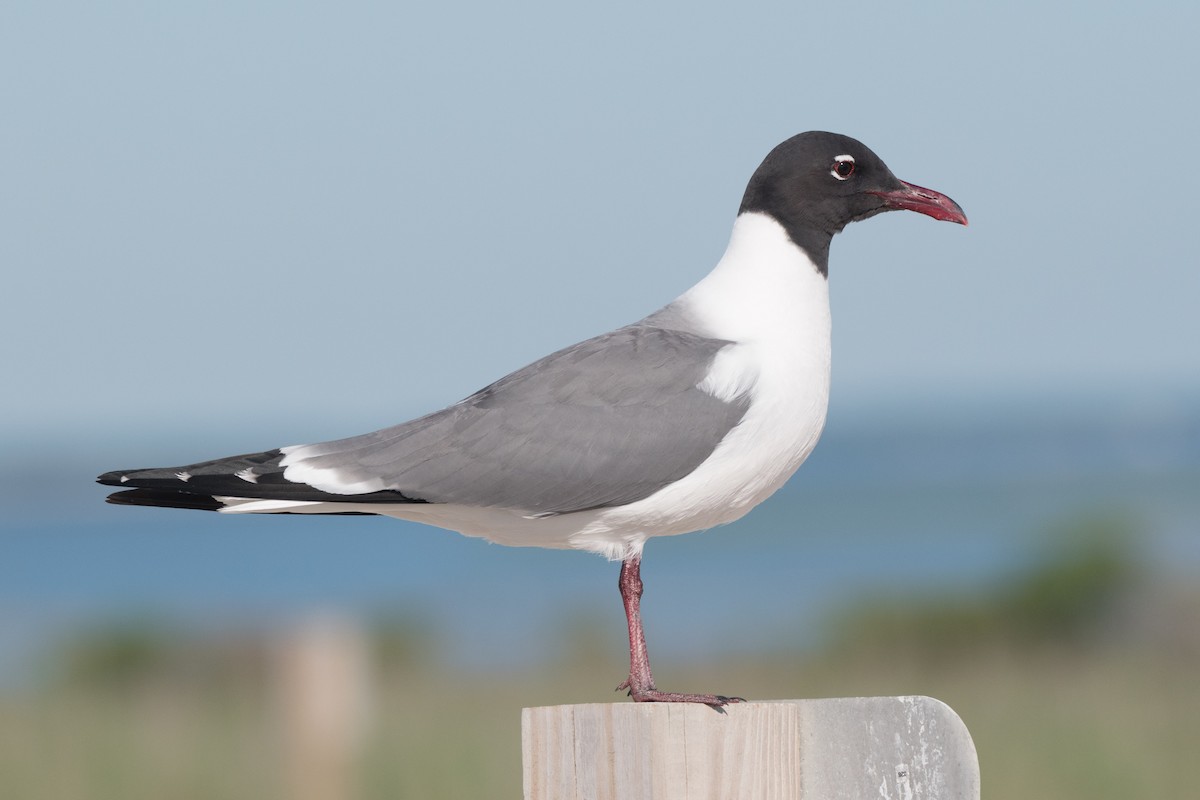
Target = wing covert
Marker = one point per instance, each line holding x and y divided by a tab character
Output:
606	422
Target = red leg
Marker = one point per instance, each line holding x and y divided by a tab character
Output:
640	682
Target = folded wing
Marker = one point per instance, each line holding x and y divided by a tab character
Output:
603	423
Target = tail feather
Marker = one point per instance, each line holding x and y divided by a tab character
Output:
165	499
199	502
252	475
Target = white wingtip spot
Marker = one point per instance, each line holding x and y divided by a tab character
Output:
247	475
124	479
184	476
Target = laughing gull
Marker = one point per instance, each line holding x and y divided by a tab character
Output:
682	421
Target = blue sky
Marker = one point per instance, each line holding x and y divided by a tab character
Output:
307	220
230	226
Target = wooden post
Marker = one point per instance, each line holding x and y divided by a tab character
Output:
891	748
322	677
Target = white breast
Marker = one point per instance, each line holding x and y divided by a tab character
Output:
769	298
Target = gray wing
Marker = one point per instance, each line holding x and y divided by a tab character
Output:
606	422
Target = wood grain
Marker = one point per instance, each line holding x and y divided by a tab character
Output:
893	748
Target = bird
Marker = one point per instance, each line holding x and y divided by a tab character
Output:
679	422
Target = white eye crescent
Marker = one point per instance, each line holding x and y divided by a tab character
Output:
843	167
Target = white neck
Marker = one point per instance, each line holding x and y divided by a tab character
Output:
764	288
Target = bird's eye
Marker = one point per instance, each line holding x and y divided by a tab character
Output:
843	167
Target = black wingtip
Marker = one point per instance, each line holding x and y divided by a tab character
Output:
112	478
163	499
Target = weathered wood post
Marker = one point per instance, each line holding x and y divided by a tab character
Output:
891	748
322	678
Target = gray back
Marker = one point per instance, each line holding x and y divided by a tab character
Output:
606	422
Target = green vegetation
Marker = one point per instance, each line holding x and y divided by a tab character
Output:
1073	596
1077	678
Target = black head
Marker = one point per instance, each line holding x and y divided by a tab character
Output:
816	183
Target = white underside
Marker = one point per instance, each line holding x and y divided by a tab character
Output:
768	298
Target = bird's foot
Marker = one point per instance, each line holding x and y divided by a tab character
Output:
649	694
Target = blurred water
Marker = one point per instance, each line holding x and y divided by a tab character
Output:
913	507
